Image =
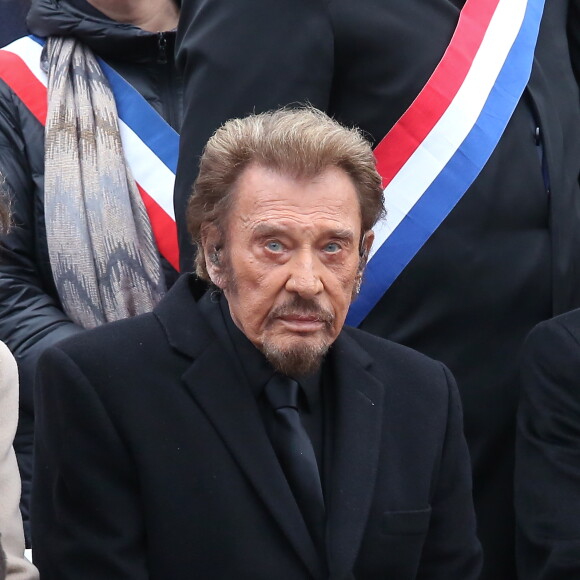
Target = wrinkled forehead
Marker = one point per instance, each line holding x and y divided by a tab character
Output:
264	195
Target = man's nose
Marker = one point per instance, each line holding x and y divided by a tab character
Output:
305	276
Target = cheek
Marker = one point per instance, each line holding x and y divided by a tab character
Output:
257	296
345	277
340	290
249	271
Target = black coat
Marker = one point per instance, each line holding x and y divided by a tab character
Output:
12	20
153	462
31	317
507	256
547	488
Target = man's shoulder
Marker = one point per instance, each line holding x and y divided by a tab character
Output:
416	386
550	359
567	324
387	351
554	342
116	339
401	368
175	318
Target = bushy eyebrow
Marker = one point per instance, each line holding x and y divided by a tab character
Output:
345	235
264	230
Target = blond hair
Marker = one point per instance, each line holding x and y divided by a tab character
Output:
300	143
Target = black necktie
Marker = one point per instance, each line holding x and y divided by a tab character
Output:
296	454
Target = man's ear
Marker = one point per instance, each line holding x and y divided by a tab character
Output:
211	242
365	248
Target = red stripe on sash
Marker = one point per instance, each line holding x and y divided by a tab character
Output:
163	229
17	75
428	107
15	72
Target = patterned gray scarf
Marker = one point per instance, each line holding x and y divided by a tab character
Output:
103	256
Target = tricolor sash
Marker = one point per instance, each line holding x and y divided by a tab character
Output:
438	147
150	144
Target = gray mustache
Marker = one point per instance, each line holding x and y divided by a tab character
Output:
299	306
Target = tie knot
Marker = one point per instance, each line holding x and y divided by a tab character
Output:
282	391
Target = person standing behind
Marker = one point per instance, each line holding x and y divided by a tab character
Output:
89	242
12	20
15	566
547	476
507	255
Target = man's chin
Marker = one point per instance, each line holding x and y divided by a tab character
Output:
298	359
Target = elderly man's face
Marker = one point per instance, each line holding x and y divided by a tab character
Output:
291	262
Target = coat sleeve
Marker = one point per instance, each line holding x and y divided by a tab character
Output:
11	534
452	549
87	518
547	475
30	317
244	57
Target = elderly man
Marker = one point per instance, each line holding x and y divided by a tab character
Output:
419	79
244	433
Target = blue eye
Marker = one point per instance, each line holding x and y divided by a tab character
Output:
274	246
332	248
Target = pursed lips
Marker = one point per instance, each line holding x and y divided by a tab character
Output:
306	322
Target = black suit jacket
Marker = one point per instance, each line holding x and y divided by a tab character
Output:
153	463
547	484
506	257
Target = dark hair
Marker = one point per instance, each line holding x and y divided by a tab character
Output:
301	143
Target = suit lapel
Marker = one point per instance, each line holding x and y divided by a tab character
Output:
357	428
221	391
230	406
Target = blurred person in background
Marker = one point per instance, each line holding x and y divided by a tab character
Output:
89	114
547	476
13	564
488	243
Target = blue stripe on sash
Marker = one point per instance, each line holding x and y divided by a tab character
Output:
140	116
457	176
